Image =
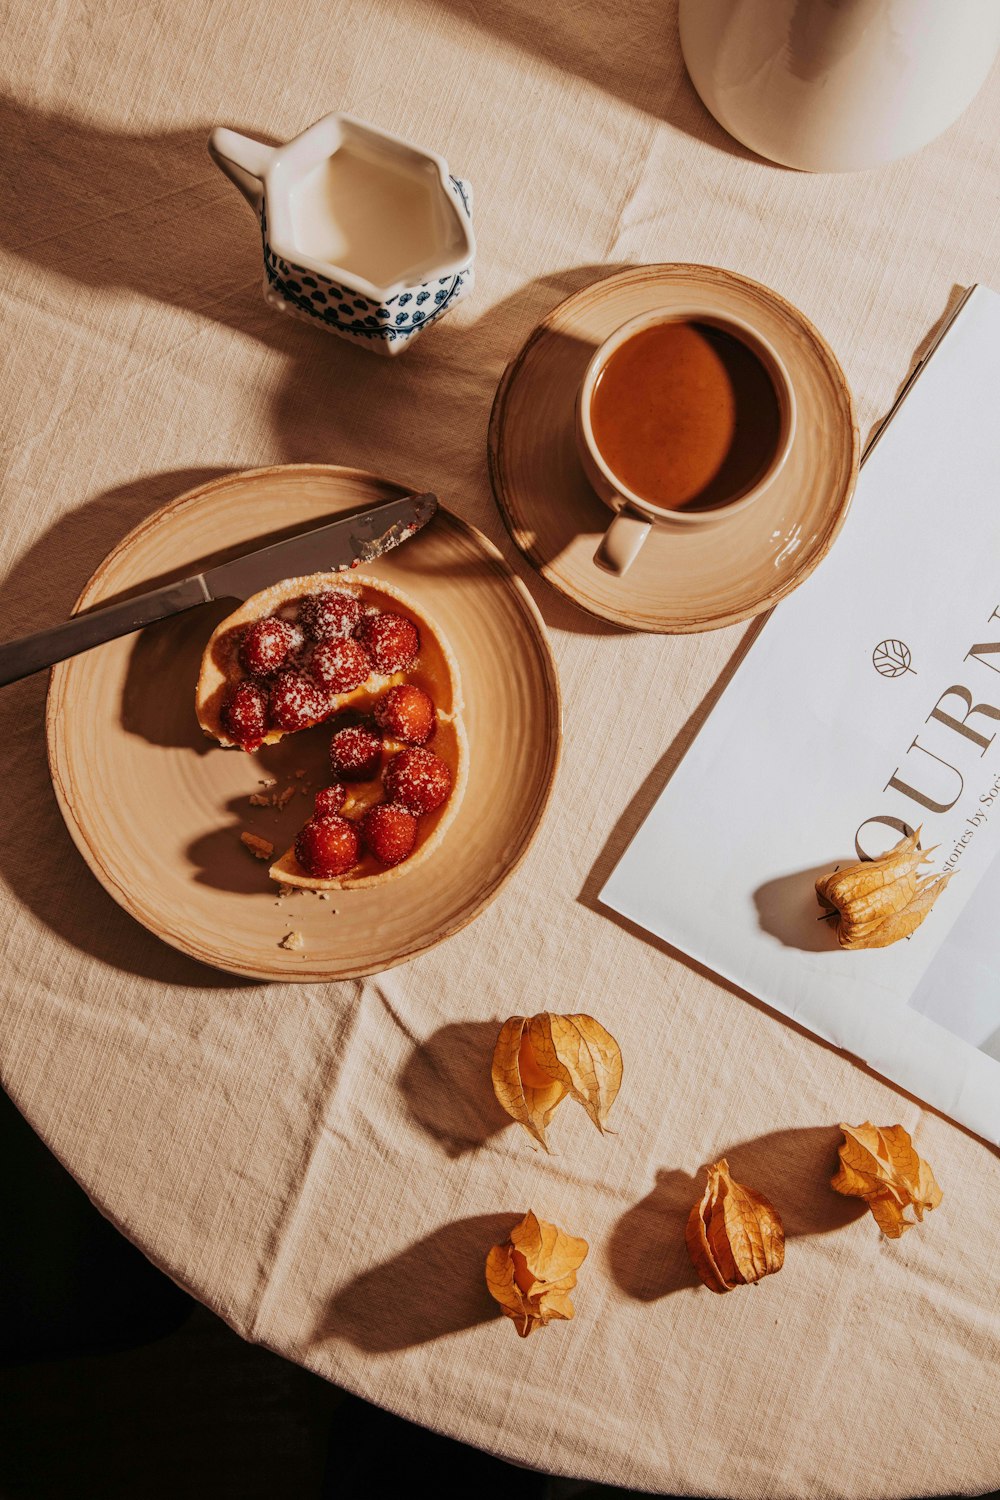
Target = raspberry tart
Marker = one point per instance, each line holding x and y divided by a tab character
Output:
359	660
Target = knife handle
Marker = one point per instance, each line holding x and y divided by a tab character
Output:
33	652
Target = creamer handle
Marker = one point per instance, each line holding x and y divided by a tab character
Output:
243	160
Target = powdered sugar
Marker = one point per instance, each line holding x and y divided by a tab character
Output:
418	779
340	665
296	701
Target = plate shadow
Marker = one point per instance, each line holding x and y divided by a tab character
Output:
52	879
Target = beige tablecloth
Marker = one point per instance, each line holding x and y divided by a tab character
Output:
324	1165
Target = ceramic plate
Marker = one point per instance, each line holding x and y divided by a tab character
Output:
681	581
157	810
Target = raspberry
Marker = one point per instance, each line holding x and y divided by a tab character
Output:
340	665
391	641
418	780
355	753
296	701
330	616
390	833
327	846
407	713
330	799
244	715
266	645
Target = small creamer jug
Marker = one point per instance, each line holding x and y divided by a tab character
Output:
364	234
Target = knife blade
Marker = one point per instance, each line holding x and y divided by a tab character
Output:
337	546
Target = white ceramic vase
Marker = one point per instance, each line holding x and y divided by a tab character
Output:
835	85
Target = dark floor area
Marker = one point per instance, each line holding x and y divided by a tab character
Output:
115	1385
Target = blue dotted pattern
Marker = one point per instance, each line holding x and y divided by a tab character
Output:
349	312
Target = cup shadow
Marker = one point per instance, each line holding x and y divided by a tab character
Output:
52	880
792	1168
444	385
393	1306
566	361
445	1083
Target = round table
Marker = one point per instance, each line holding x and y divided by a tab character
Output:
324	1165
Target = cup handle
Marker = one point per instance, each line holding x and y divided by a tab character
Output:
243	160
622	541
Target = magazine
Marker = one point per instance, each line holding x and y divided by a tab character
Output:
867	707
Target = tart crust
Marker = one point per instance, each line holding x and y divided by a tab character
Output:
436	671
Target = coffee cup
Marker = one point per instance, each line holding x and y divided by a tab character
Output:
683	419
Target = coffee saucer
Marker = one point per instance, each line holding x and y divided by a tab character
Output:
683	580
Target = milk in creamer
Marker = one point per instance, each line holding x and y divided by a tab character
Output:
368	215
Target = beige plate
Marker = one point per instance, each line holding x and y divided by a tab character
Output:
701	578
157	810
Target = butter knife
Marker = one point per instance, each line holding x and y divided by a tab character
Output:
335	547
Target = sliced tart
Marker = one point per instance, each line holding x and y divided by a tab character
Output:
362	660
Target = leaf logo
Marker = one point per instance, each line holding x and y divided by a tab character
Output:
892	659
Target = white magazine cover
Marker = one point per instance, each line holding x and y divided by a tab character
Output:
868	704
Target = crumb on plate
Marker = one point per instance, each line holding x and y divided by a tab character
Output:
259	848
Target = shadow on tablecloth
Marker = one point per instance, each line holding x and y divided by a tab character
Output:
388	1307
54	881
632	52
792	1168
446	1085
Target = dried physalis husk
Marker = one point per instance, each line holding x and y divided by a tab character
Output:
532	1274
881	900
879	1163
734	1235
539	1060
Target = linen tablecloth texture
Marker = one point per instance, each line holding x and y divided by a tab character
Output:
324	1165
